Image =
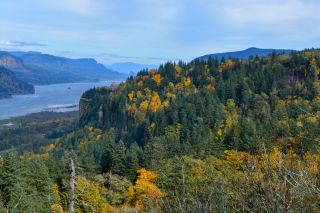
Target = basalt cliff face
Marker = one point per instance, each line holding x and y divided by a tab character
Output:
88	106
10	62
10	85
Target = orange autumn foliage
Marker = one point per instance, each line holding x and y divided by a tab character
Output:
226	65
56	208
157	79
186	82
155	102
145	191
144	106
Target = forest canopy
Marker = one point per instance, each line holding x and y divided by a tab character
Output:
205	136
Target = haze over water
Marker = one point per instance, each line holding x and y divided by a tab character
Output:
55	96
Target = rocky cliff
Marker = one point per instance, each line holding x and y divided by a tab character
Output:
10	85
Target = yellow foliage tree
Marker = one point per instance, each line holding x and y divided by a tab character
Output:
157	79
235	159
186	82
178	70
166	104
231	112
219	132
145	191
130	95
144	106
99	138
171	85
56	208
107	208
140	83
139	94
87	196
155	102
226	65
313	162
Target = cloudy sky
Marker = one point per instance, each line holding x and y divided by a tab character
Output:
155	31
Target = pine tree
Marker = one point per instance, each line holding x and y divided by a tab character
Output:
9	177
119	160
133	160
108	156
37	184
154	153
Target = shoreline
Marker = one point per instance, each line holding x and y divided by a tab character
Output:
8	122
52	98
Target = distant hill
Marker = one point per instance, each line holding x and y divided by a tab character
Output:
130	68
10	85
38	68
245	54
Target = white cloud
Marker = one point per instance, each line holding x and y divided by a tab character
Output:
161	28
20	44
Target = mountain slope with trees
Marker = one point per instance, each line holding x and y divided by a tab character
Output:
10	85
206	136
237	102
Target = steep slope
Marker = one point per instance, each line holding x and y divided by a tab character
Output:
245	54
10	62
16	65
211	99
10	85
260	116
38	68
207	136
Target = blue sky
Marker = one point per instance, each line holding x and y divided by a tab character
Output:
155	31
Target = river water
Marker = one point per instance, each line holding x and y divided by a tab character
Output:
54	97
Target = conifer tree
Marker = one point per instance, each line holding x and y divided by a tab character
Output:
9	177
133	160
119	160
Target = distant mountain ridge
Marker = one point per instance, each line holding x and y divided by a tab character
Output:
245	54
130	68
10	85
38	68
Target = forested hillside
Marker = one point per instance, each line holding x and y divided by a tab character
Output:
206	136
239	105
10	85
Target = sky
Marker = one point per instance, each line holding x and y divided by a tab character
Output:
156	31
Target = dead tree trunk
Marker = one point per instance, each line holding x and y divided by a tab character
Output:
72	185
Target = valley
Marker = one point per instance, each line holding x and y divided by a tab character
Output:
34	132
211	134
54	97
151	106
42	69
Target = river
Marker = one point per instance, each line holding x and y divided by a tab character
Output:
54	97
